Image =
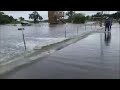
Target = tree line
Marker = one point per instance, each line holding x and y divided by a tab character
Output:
5	19
72	17
75	17
115	15
81	18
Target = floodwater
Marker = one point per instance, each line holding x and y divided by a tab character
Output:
11	39
94	57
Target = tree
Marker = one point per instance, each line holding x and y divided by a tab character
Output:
88	17
116	15
1	13
5	19
79	18
35	16
11	18
70	15
98	14
21	18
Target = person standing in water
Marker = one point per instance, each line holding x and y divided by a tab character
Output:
119	21
107	24
110	23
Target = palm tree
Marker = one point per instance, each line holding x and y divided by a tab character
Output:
35	16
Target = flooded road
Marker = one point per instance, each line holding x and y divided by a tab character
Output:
11	40
95	57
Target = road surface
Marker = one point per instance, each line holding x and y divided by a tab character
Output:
94	57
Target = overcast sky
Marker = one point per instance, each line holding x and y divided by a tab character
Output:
44	14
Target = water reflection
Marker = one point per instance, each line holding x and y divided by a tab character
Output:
52	25
107	38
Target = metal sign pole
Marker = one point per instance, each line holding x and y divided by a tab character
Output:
77	30
91	26
65	31
85	26
95	25
101	19
24	39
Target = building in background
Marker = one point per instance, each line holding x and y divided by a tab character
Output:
56	17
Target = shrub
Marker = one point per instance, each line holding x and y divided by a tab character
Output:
79	18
